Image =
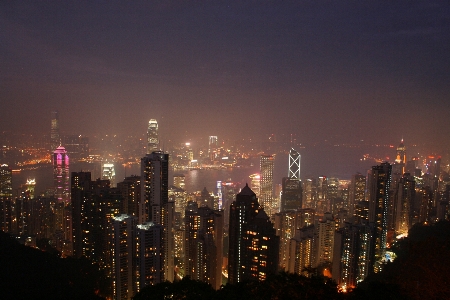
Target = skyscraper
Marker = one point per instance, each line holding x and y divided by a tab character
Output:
5	198
63	215
123	255
55	138
294	164
379	180
203	244
212	147
291	194
155	206
356	191
152	136
253	245
266	183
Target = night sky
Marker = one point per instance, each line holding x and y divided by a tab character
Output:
344	70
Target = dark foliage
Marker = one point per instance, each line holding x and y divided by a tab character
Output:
28	273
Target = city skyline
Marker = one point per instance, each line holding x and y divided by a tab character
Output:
320	71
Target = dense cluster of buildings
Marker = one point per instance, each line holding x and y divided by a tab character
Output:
144	231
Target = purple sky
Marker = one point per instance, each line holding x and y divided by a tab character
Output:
350	70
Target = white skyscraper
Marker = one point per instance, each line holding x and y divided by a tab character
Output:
294	164
152	136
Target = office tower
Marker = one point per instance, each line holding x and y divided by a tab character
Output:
203	244
130	188
378	186
291	194
266	183
255	183
352	257
310	195
404	201
152	136
206	199
55	138
30	187
108	173
294	164
426	205
155	206
123	254
150	262
400	158
212	147
63	215
6	198
302	251
325	240
285	227
356	191
253	244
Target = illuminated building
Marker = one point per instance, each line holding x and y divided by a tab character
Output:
30	187
150	262
5	198
404	200
123	255
379	182
302	251
291	194
152	136
253	244
63	215
266	183
130	188
155	206
309	190
285	227
294	164
325	240
178	181
94	204
352	257
322	204
54	131
400	159
426	205
255	183
212	147
108	173
356	191
203	244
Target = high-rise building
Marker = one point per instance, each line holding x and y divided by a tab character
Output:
203	244
5	198
108	173
123	255
356	191
55	138
155	206
253	244
266	184
325	240
352	257
400	158
404	201
150	261
294	164
152	136
212	147
291	194
379	182
130	188
302	250
63	215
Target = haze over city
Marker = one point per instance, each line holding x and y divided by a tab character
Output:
322	71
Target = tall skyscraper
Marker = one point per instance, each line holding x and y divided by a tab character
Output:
266	184
203	244
356	191
400	158
379	181
212	147
55	138
294	164
108	173
63	215
123	255
152	136
291	194
5	198
155	206
253	244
